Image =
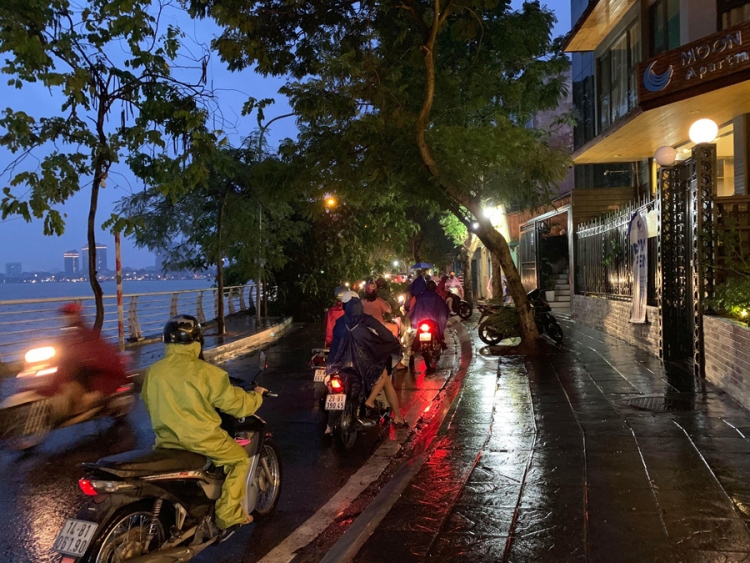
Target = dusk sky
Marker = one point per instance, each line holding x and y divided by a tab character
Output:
26	243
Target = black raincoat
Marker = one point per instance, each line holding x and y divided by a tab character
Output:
362	344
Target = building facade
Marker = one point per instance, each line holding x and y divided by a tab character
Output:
101	258
72	263
644	73
13	269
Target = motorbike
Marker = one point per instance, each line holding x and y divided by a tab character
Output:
26	416
458	305
427	341
318	364
345	405
490	334
157	505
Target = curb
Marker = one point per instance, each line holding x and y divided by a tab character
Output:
228	351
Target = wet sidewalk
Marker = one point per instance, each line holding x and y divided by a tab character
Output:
594	453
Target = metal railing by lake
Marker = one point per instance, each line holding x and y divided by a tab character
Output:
25	323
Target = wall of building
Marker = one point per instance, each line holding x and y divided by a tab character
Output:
727	352
613	317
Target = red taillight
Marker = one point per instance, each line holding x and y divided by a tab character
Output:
87	488
337	386
425	327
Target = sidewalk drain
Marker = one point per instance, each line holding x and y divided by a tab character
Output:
661	403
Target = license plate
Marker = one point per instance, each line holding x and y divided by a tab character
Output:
335	402
320	375
75	537
425	337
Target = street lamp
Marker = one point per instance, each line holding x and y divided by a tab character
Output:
665	156
330	202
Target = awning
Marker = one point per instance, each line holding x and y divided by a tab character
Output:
599	18
638	135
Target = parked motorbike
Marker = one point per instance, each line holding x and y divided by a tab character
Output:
458	305
490	334
427	341
26	417
345	405
157	505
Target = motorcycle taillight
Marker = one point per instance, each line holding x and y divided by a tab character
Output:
87	488
424	327
336	385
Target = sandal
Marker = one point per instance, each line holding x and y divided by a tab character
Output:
403	424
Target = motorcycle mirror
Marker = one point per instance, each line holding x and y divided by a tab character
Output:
262	361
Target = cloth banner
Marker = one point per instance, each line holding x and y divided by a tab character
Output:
638	238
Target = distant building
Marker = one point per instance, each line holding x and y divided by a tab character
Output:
13	269
72	263
101	258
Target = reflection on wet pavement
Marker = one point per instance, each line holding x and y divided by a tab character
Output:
546	461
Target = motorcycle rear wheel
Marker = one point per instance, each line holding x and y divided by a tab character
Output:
554	330
346	429
465	310
124	537
268	498
488	335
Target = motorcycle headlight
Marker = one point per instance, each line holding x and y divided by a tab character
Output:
36	355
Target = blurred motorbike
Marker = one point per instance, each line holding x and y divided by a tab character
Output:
491	333
457	305
157	505
26	417
427	342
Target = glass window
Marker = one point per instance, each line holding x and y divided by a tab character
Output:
665	26
618	87
735	16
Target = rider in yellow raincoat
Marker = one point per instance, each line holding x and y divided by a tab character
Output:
182	393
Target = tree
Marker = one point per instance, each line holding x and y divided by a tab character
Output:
468	244
429	97
101	58
218	220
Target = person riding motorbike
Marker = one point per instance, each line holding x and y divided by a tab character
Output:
377	307
454	283
182	394
363	345
427	305
334	313
89	370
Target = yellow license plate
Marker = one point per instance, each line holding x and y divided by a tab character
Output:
425	337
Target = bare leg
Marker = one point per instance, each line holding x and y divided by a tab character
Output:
390	394
376	389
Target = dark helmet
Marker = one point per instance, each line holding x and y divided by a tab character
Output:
371	288
182	329
431	285
381	283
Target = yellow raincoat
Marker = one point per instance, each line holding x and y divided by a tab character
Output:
182	394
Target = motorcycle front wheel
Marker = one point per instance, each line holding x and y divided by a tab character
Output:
465	310
269	480
27	425
488	335
554	330
346	431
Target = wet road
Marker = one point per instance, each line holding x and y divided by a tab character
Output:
39	490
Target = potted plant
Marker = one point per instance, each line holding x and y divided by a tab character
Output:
548	280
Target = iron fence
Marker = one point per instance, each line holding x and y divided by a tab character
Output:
602	257
24	322
733	234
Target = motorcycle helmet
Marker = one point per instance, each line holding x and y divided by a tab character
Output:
339	292
381	283
371	288
182	329
348	296
71	308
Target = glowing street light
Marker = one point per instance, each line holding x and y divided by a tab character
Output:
330	201
703	131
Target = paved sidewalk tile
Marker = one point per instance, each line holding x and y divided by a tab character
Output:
544	459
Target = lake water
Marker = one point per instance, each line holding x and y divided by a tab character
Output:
23	325
12	291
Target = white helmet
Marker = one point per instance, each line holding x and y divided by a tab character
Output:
348	296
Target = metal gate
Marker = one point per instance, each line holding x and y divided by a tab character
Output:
686	255
527	256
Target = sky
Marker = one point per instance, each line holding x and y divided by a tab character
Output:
25	242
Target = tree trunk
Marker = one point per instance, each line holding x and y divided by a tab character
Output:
467	255
497	277
93	281
492	239
221	327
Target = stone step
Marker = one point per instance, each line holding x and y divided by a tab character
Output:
560	305
562	286
562	293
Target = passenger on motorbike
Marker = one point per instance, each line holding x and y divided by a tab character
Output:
364	345
89	370
182	394
334	313
427	305
454	283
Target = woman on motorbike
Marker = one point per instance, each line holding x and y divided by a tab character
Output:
362	344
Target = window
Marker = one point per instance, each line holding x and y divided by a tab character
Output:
618	86
665	26
734	13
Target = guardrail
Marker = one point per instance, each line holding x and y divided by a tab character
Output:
24	322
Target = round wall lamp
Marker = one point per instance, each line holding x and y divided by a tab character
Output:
703	131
